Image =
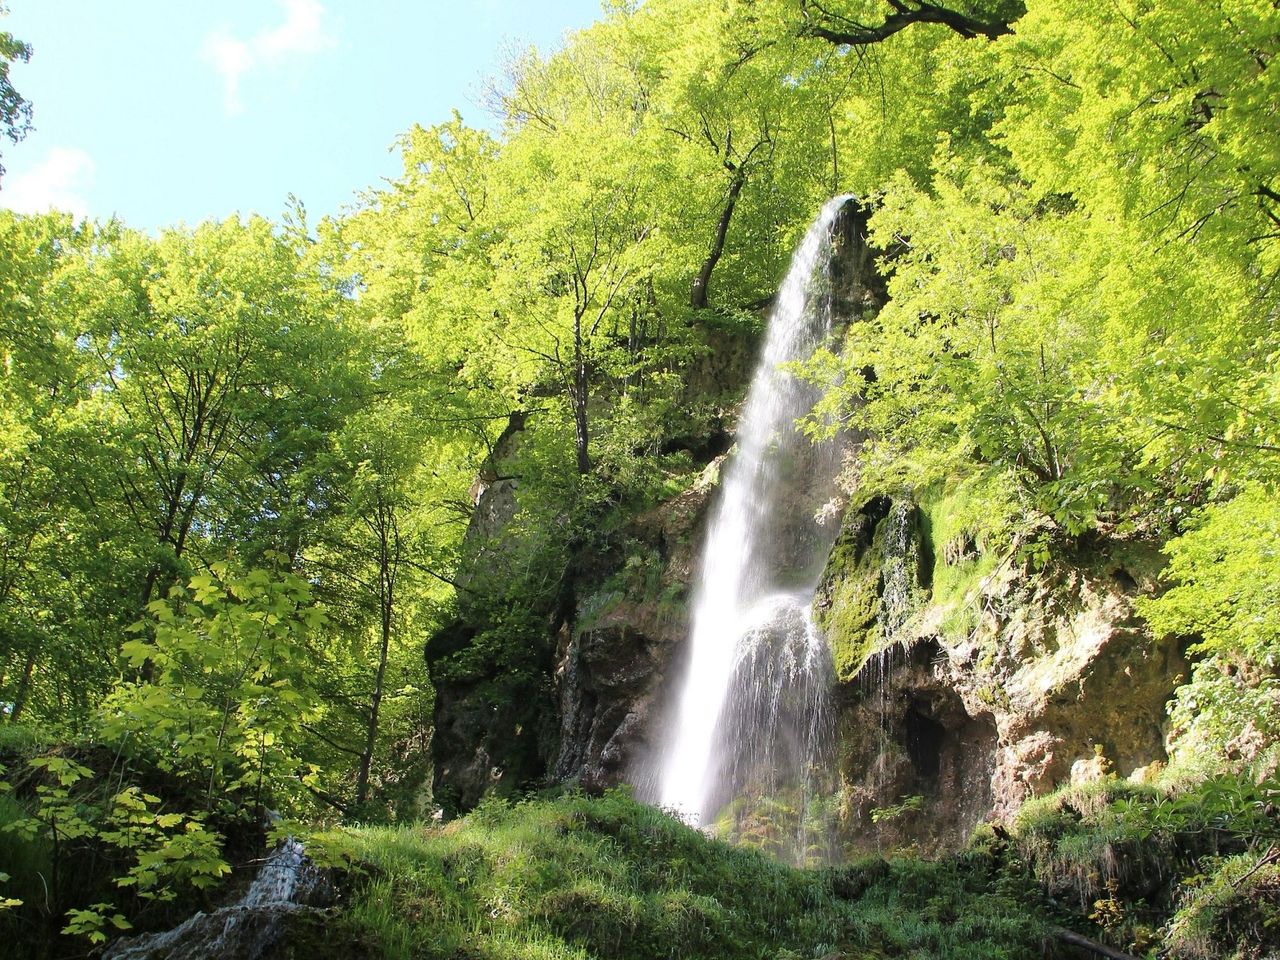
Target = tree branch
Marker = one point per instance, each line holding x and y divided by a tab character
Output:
1093	946
835	29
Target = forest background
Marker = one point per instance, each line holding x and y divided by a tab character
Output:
237	461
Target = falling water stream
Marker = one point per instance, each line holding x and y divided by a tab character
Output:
753	722
243	930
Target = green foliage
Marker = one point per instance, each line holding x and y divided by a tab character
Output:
75	816
1162	865
15	110
970	528
574	877
1231	910
1036	264
1226	574
898	810
227	692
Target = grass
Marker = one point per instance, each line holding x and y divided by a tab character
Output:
576	877
1188	869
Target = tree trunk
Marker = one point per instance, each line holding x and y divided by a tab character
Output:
578	396
1093	946
24	688
386	600
702	282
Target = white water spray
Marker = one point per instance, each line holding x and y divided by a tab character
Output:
753	711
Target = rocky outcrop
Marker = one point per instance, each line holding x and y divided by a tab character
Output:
1078	684
577	706
494	502
287	885
1044	678
874	579
494	721
627	633
493	717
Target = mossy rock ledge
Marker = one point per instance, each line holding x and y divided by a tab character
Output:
1007	686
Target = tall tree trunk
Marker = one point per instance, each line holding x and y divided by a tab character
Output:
578	396
702	282
387	557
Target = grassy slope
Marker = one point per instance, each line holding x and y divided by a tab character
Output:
1181	870
575	877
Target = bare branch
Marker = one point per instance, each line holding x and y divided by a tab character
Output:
840	30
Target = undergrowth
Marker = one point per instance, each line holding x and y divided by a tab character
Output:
575	877
1180	870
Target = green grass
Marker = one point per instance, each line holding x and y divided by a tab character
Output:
575	877
1189	868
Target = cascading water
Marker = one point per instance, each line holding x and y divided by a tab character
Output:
243	930
753	720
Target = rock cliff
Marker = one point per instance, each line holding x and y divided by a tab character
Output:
968	681
956	709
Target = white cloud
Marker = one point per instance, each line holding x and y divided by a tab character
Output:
231	58
302	32
57	182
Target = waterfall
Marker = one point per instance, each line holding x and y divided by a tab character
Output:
753	719
243	930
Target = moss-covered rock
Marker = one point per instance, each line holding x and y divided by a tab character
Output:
974	680
872	581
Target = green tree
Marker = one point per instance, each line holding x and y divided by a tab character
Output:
1226	593
230	689
58	605
15	110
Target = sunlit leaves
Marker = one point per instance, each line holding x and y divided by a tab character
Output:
229	690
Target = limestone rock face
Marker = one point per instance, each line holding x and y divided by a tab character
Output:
1047	678
494	498
1083	682
629	628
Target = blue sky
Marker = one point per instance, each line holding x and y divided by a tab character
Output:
162	111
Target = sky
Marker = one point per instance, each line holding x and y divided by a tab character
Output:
168	111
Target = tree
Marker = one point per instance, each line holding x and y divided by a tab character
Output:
855	29
219	355
230	690
15	111
383	454
57	601
1225	572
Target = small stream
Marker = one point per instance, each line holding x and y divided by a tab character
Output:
244	930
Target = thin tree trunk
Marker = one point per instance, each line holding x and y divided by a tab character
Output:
702	282
579	398
1093	946
24	688
386	599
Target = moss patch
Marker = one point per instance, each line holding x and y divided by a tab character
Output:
967	525
875	579
847	603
